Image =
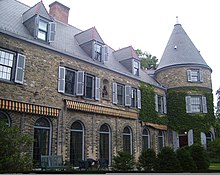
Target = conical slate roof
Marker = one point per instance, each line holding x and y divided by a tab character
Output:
180	51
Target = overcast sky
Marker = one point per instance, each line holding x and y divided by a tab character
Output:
148	24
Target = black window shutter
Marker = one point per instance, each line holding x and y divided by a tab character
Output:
19	73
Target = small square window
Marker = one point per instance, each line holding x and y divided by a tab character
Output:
194	75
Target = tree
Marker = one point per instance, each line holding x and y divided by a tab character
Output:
147	160
147	60
14	146
167	161
123	162
186	161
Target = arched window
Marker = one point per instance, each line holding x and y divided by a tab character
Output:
76	143
105	142
145	139
209	138
42	139
4	117
127	140
160	140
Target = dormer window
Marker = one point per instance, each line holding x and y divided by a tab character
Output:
136	67
42	30
100	52
45	30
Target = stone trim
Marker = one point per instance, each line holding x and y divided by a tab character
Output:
156	126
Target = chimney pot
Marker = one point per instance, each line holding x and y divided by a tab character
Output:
59	11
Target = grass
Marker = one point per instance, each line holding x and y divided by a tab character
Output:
214	166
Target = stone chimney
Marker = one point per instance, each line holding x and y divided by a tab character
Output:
59	11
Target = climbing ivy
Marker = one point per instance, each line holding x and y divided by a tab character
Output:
148	112
179	120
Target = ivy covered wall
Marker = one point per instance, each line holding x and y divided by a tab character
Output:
179	120
148	112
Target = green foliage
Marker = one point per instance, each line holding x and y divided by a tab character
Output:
147	60
178	119
186	161
148	112
167	161
147	160
14	150
213	151
200	157
123	162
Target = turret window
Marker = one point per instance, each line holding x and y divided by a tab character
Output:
196	104
195	75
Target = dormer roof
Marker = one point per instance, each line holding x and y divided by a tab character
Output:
126	53
180	51
88	35
38	9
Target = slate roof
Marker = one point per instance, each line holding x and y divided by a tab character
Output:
180	51
39	8
65	39
88	35
126	53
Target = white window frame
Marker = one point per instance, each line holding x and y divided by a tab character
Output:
194	75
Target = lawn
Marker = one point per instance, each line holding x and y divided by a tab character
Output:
214	166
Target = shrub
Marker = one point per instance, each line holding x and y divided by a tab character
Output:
186	161
167	161
200	157
214	151
123	162
14	156
147	160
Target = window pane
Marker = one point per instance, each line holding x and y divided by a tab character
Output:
41	139
120	94
89	87
6	64
196	104
42	35
195	75
76	147
43	25
69	82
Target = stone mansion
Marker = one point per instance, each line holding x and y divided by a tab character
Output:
78	97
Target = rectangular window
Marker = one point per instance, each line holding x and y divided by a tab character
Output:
120	94
98	52
11	67
42	30
195	75
196	104
70	81
136	65
160	104
6	65
89	86
134	97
